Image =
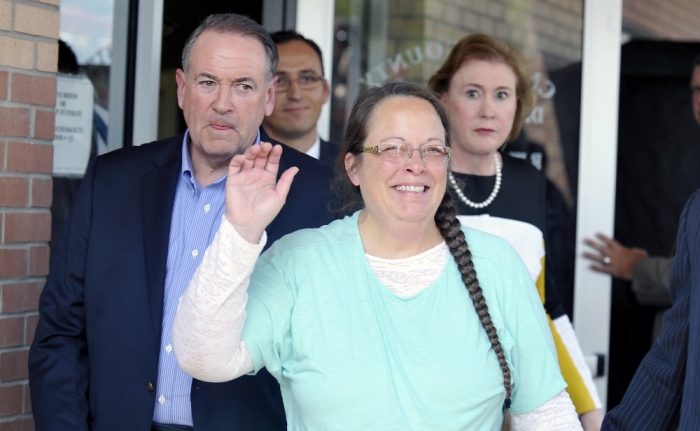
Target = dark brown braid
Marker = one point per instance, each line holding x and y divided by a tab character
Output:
449	226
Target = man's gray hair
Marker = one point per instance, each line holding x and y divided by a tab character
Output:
236	24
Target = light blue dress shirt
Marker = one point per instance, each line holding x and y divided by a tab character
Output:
196	217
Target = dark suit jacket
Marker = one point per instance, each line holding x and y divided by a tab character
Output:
329	152
94	360
664	393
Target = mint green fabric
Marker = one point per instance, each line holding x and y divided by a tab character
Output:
351	355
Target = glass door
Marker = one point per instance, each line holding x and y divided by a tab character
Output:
87	106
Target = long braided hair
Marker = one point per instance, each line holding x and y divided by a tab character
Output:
445	217
450	229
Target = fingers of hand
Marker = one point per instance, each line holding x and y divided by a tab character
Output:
602	237
235	164
599	268
273	160
254	157
596	257
252	154
590	243
610	242
605	251
263	155
285	181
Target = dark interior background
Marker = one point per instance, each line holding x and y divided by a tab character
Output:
658	168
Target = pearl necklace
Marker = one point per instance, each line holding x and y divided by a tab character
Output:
491	197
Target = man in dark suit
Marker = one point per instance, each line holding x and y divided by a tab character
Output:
664	393
301	93
102	357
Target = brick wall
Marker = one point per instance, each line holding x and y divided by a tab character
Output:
668	19
28	59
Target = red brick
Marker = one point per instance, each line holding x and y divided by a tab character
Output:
30	328
23	157
42	192
13	263
27	227
39	260
3	85
11	332
20	297
13	365
14	122
14	192
11	398
44	124
37	90
20	424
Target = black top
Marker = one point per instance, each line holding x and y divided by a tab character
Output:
522	197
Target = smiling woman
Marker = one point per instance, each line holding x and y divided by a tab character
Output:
385	302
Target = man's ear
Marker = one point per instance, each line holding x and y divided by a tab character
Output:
351	168
181	82
270	96
326	90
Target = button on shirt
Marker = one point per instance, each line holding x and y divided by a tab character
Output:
196	217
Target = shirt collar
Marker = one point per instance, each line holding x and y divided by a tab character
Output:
315	150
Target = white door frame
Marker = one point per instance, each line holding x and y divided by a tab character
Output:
147	82
315	20
602	31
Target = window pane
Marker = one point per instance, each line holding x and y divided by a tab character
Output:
378	41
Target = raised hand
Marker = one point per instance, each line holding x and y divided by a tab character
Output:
253	195
613	258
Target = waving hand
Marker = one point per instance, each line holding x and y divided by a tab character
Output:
253	195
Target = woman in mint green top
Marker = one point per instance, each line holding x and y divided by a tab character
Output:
328	311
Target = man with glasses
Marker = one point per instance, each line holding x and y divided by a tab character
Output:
301	93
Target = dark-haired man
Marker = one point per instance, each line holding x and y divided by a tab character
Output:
302	91
102	358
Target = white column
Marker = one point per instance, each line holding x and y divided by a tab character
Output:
602	28
147	85
315	20
117	75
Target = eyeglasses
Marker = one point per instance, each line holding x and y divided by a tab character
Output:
307	81
403	152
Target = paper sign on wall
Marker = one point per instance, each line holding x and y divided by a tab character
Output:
73	135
